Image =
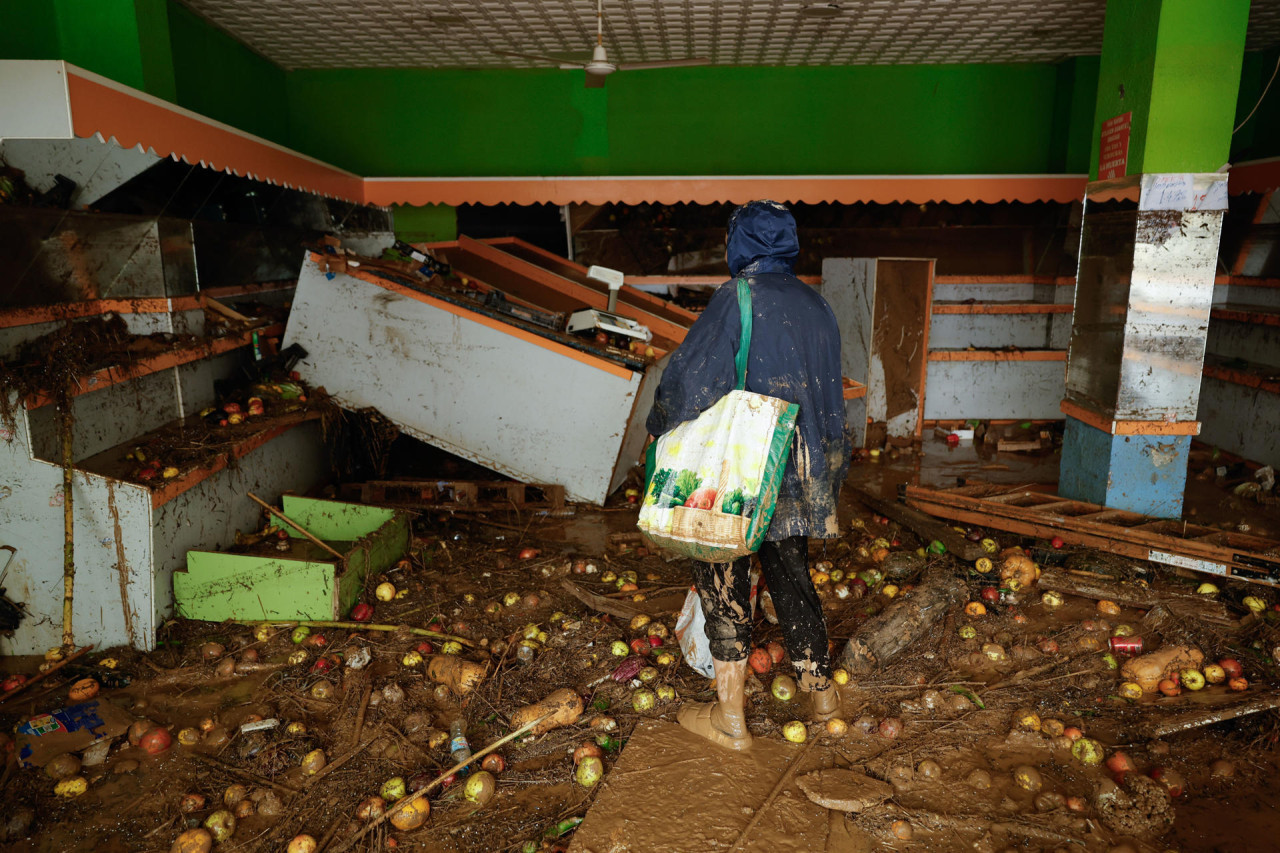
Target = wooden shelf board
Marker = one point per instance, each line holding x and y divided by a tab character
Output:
1001	308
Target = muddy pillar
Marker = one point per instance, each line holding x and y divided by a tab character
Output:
1149	247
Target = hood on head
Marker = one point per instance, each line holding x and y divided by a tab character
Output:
762	231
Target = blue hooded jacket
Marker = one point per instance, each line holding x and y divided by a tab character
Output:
795	356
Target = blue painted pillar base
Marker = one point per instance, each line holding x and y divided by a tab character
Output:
1146	474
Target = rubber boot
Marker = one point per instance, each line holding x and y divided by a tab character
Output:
826	702
723	722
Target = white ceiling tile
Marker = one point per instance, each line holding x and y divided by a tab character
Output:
474	33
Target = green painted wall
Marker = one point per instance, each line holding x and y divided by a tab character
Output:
223	79
102	36
841	120
1260	135
28	30
155	48
425	224
1175	64
1197	84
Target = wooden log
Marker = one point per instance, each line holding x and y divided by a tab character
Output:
1096	587
924	525
903	622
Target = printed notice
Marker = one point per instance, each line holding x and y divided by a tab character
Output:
1113	153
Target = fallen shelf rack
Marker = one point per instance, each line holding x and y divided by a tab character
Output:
1031	512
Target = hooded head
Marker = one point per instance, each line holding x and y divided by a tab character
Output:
762	238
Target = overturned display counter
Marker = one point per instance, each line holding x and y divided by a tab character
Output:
459	364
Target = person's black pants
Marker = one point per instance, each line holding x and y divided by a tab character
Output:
725	590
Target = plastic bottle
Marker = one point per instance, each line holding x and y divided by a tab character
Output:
458	746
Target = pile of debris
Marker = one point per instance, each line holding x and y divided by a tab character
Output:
998	691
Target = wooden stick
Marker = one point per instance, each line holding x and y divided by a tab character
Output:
355	626
1194	719
773	795
295	525
422	792
48	672
243	774
68	529
364	706
226	310
598	602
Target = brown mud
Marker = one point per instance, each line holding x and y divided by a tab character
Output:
951	766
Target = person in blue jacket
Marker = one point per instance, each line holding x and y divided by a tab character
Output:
795	356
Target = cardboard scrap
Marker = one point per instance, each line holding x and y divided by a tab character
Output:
70	729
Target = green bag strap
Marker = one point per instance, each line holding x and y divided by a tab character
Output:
744	341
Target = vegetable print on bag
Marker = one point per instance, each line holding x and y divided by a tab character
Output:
716	478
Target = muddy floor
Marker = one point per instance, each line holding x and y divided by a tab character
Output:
976	728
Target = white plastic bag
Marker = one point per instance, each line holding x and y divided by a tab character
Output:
691	630
692	634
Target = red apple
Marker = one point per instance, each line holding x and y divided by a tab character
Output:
760	662
156	740
1238	684
1169	687
1120	762
776	651
1057	542
1231	667
362	612
991	595
1171	779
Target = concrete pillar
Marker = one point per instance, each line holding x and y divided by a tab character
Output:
1148	251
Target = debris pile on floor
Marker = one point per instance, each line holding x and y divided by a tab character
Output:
988	702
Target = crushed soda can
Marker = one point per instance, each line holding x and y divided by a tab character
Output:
1129	646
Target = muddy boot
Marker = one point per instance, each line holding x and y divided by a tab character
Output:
826	702
723	722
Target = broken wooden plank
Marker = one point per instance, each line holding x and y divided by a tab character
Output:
903	622
927	527
1246	558
1200	717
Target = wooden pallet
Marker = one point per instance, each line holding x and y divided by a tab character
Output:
1029	511
460	495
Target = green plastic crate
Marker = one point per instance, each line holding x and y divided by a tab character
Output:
216	586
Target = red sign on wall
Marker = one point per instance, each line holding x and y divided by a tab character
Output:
1113	154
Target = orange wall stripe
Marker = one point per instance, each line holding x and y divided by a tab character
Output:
846	189
1000	308
998	355
34	315
545	343
98	106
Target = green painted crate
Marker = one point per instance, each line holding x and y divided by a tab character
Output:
217	586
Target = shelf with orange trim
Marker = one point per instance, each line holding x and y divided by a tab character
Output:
115	374
1001	308
997	355
1258	315
36	314
1057	280
1264	377
112	464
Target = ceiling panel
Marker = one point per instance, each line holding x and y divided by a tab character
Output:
470	34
